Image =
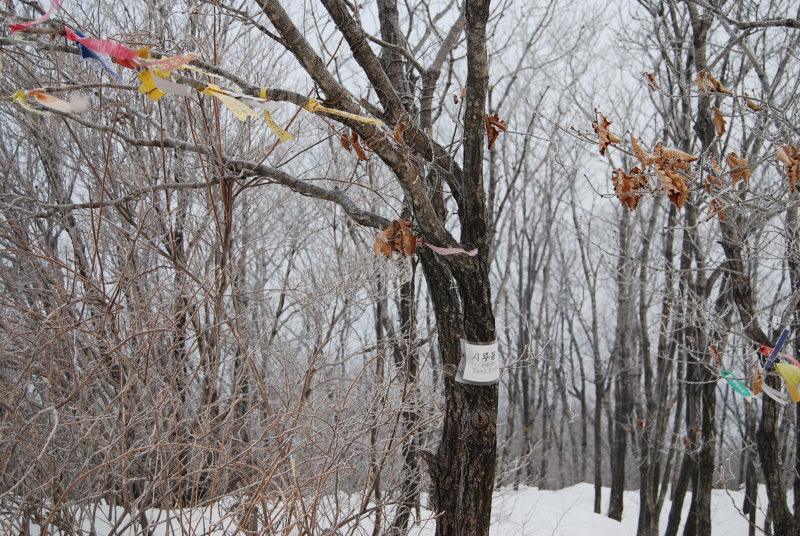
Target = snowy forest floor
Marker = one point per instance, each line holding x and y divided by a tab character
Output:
522	512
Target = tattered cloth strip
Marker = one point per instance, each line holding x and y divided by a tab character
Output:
77	104
263	103
447	251
168	86
314	106
170	64
775	395
793	392
22	26
103	60
19	98
149	87
737	385
776	351
791	375
103	46
239	109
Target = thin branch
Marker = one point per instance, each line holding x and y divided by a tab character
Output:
748	25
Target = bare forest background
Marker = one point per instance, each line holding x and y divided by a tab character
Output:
192	312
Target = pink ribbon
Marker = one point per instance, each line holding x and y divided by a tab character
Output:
103	46
21	26
446	251
170	64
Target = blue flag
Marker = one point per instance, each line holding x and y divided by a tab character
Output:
777	350
103	60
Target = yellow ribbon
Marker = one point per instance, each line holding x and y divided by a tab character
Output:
274	127
793	392
789	372
148	87
791	375
239	109
315	107
19	98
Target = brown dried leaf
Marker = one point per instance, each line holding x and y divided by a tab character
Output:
642	155
673	154
716	209
651	81
606	138
628	186
789	155
409	240
346	142
686	441
739	168
751	103
708	84
381	246
493	121
782	155
719	121
398	132
673	183
757	380
716	167
356	144
715	355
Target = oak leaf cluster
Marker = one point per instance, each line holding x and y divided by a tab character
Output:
670	166
493	127
398	237
708	84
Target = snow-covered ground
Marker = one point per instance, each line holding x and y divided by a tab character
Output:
570	512
527	511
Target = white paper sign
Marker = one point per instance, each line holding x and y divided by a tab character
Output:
480	363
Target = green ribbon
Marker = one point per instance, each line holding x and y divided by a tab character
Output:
737	385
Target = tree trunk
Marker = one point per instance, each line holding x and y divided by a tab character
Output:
621	358
658	391
463	469
406	360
